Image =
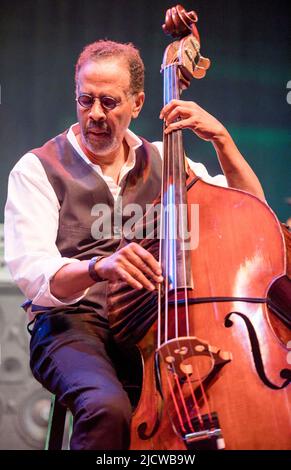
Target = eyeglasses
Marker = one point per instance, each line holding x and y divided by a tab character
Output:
107	102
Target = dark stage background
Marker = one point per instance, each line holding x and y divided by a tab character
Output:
246	88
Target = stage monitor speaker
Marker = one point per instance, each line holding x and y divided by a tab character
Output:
24	404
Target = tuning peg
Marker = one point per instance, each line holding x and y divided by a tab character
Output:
203	62
199	72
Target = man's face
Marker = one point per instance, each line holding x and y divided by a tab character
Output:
102	130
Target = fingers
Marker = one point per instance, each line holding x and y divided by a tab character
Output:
168	107
134	265
179	115
147	257
136	278
182	124
153	271
185	107
132	281
187	114
140	264
176	113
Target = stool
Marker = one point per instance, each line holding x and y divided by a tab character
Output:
56	425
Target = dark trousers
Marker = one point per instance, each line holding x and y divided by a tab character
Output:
72	356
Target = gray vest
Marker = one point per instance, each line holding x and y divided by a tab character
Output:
80	189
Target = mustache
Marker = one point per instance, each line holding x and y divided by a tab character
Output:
101	126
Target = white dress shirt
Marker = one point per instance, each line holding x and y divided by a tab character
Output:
32	219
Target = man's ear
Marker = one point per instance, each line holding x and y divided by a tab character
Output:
138	103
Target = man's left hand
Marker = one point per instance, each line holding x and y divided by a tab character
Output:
192	116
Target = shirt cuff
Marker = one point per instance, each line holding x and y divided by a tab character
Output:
45	298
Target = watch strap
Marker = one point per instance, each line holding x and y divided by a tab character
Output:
91	268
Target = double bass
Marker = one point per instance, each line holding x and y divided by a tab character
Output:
212	342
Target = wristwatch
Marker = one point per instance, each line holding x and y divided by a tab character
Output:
91	268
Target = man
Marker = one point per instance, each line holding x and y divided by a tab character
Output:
50	249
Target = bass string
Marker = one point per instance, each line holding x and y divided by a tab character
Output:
173	148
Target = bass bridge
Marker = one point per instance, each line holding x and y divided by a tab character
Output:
189	365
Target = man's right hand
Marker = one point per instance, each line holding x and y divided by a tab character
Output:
131	264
